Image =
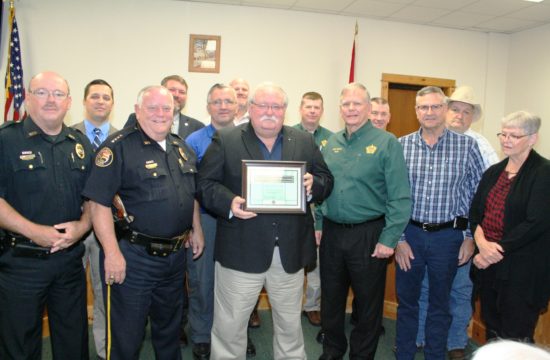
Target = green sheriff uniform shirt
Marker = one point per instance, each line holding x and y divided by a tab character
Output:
320	135
370	180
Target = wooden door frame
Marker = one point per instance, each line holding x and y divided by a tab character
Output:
447	85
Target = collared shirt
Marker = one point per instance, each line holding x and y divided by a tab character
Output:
370	180
90	134
200	139
242	120
175	123
156	186
443	177
488	154
276	153
320	134
42	176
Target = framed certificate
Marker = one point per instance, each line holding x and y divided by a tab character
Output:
274	186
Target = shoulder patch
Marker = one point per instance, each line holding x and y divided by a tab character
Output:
104	157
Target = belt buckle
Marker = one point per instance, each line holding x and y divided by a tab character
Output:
425	227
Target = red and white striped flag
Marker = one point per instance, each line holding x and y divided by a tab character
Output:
15	89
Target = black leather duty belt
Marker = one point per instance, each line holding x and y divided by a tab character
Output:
354	225
459	223
158	246
24	247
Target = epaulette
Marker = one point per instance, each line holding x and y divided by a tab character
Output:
7	124
121	134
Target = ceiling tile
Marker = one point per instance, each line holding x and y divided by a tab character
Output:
444	4
279	4
418	14
496	7
507	25
372	8
322	5
461	19
537	12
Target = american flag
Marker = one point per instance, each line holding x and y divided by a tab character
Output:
15	90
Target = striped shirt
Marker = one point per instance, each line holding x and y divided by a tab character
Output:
443	177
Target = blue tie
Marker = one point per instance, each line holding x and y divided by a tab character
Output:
96	142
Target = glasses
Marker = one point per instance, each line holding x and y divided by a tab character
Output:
219	102
504	136
265	107
426	108
44	94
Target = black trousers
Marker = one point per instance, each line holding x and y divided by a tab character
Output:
506	313
27	286
345	259
152	289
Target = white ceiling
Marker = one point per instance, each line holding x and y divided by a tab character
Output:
503	16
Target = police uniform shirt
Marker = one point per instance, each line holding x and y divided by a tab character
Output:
157	187
42	176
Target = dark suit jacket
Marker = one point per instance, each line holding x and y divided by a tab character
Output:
526	237
247	245
186	126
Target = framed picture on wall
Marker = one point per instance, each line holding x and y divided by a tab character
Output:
204	53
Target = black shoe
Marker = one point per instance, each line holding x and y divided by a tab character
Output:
320	338
183	339
201	351
250	348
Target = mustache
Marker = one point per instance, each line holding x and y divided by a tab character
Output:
269	118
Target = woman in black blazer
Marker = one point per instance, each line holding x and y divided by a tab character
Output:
510	219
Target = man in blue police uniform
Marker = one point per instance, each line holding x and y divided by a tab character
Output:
43	168
143	260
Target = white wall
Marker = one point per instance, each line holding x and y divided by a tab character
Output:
133	43
528	79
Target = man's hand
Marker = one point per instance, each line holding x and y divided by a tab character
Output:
308	183
196	242
115	268
382	251
466	251
403	255
236	209
318	236
70	232
45	236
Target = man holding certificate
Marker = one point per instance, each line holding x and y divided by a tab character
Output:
362	221
268	247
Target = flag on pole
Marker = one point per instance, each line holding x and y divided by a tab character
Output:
352	66
15	90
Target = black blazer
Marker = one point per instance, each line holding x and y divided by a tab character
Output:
247	245
526	238
186	127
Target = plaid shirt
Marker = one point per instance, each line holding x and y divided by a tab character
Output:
444	177
493	218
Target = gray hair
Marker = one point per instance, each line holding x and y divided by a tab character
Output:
219	86
150	88
354	86
530	123
431	90
269	86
